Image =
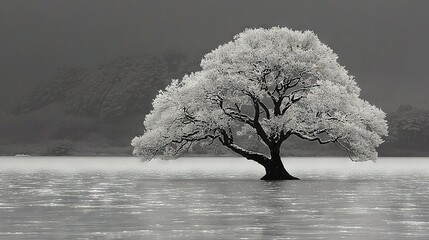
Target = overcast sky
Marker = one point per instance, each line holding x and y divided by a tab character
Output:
383	43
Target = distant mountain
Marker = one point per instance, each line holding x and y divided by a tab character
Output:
98	110
50	91
408	132
123	87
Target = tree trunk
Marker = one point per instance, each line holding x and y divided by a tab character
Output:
273	166
275	169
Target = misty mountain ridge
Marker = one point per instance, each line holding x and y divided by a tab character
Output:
123	87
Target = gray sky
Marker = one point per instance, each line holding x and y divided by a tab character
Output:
382	42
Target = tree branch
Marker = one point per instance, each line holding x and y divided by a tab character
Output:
267	111
254	123
314	138
227	141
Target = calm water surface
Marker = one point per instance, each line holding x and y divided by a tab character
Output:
209	198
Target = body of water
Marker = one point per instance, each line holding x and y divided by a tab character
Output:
212	198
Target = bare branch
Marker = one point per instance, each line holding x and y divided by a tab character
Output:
267	111
228	141
314	138
254	123
304	88
347	150
254	98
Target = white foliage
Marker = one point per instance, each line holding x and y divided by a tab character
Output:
318	99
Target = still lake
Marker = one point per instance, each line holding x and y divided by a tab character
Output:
212	198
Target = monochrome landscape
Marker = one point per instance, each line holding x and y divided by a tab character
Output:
187	120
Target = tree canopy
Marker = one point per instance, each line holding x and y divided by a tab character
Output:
269	83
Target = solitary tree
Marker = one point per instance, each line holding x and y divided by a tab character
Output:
269	83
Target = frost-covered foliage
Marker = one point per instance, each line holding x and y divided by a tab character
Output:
266	83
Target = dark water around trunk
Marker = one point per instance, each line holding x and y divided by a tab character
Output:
209	198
